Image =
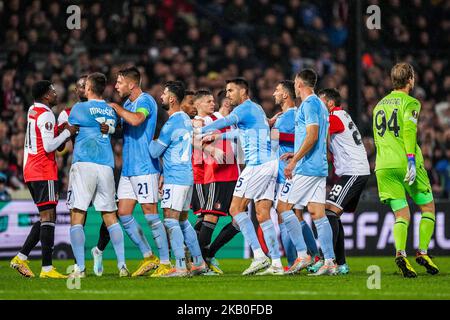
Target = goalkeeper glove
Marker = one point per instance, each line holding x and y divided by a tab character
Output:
411	171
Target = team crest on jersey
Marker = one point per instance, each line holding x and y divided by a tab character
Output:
217	206
49	126
415	114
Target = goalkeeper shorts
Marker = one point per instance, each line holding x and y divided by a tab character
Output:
391	185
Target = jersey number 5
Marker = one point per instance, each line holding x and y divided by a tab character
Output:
392	124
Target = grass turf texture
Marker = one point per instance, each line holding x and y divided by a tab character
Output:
232	285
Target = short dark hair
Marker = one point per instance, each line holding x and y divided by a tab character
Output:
202	93
241	82
221	96
288	85
40	89
131	73
309	77
331	94
188	93
98	81
176	88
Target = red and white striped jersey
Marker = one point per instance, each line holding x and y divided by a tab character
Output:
349	154
209	170
63	117
39	165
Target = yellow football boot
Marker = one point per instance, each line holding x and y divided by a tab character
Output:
52	274
405	267
162	270
425	260
22	266
146	265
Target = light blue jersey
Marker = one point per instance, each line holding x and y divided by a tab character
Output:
312	111
175	146
285	124
90	144
136	139
254	131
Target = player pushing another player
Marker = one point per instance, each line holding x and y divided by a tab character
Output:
140	173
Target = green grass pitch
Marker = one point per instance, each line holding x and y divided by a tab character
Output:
232	285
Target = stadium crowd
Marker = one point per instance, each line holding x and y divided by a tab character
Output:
205	42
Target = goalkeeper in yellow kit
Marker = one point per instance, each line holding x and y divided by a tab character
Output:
400	167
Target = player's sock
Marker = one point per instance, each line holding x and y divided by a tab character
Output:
270	237
288	246
248	230
198	225
339	249
226	234
400	235
176	241
160	236
334	223
426	229
103	238
190	238
325	235
294	229
77	239
47	237
32	240
205	235
134	231
310	241
116	234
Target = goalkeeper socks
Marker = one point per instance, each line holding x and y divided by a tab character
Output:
339	249
226	234
294	229
116	234
401	234
103	238
334	223
77	239
325	235
47	237
289	248
32	239
205	235
160	236
426	229
270	237
310	241
248	230
176	241
190	238
134	231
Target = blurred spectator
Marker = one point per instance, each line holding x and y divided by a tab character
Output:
205	42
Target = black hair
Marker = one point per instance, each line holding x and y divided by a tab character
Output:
241	82
40	89
176	88
221	96
98	81
331	94
189	93
288	85
309	77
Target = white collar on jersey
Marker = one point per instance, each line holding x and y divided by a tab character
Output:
41	105
99	100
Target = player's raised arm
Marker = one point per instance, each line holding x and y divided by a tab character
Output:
133	118
157	147
46	124
230	120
